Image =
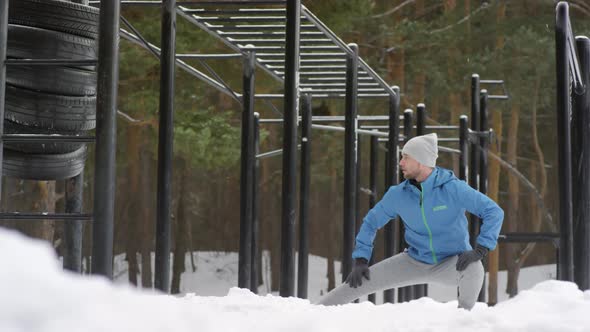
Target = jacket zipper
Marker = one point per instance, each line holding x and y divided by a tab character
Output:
426	224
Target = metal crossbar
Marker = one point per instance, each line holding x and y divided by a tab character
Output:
323	54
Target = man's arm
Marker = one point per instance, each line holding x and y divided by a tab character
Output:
377	217
485	208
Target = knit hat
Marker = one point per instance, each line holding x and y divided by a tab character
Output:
424	149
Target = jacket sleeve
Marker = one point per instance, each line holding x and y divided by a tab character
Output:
486	209
377	217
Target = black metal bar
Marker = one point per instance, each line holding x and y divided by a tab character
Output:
247	169
529	237
483	165
565	268
3	47
73	229
303	267
106	139
209	56
50	62
474	155
422	289
463	146
251	11
188	3
45	216
581	160
373	168
350	148
392	178
287	276
255	207
17	138
405	294
165	146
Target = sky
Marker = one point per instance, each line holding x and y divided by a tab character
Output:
37	295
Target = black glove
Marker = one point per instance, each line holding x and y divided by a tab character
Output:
360	269
471	256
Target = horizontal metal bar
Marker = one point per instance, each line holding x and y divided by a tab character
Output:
279	41
498	97
324	95
303	47
335	90
303	85
256	27
214	19
529	237
265	34
25	138
252	11
51	62
335	118
45	216
188	3
303	55
491	81
210	56
333	79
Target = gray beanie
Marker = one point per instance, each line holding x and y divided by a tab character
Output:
423	148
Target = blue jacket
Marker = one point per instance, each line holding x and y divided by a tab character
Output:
434	218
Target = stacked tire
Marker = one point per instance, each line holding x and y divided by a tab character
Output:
54	100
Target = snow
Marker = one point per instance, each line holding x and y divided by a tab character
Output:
38	296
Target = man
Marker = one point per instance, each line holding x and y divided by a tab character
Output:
432	204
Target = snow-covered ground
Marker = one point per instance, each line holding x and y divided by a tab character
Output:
36	295
216	272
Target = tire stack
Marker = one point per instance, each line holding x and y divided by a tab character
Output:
49	99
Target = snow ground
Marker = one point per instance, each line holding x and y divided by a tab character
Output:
38	296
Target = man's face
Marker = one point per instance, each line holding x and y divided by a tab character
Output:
410	167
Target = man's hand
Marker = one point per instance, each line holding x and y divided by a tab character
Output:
360	269
471	256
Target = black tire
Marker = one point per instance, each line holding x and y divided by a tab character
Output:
49	111
40	148
61	16
52	79
34	43
43	167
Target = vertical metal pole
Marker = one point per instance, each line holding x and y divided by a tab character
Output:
287	276
106	139
405	294
566	271
420	290
3	43
373	187
303	270
247	170
483	166
463	146
474	154
73	228
255	206
350	146
165	148
392	178
581	135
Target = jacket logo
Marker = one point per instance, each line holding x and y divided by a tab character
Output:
439	208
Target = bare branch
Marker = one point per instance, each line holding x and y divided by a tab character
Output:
393	10
464	19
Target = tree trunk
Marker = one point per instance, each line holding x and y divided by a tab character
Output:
181	231
133	172
494	173
493	190
145	222
511	222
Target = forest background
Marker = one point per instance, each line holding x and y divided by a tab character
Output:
429	48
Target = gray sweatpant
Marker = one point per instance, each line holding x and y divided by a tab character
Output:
402	270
